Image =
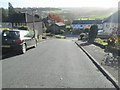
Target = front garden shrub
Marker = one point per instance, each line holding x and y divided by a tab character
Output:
23	28
92	33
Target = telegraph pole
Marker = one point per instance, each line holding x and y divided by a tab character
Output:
33	21
54	27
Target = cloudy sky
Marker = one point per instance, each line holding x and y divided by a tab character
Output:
60	3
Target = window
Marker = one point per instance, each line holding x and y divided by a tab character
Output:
11	34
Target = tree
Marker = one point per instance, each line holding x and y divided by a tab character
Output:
11	10
4	14
92	33
55	17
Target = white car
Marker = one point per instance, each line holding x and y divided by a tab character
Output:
17	40
102	34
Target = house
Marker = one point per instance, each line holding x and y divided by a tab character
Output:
33	22
82	24
110	24
53	26
57	27
79	25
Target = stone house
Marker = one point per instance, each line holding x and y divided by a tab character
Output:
110	24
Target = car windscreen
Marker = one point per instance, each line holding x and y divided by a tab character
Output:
11	34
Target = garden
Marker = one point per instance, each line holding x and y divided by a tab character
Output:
111	44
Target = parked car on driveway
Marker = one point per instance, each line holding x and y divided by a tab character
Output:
17	40
80	37
102	34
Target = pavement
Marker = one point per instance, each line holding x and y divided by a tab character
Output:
0	74
56	63
98	54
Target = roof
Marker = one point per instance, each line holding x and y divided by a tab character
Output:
23	18
60	24
16	30
113	18
87	22
87	27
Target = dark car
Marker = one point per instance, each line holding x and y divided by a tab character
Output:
17	40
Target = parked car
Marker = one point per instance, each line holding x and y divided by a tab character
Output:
102	34
17	40
81	36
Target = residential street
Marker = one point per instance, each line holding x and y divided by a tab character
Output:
55	63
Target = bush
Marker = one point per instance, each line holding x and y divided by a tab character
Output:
62	31
92	33
23	28
49	34
100	41
60	36
86	30
117	45
4	28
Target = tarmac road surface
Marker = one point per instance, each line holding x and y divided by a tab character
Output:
56	63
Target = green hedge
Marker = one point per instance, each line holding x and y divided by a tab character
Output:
60	36
100	41
23	28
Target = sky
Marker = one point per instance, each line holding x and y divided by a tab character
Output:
60	3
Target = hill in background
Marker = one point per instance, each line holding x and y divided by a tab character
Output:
72	13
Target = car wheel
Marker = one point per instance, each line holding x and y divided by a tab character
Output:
23	49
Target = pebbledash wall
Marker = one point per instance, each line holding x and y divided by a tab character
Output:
110	24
